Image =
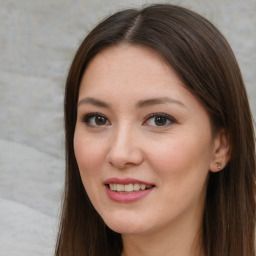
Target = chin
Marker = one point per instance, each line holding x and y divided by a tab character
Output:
125	226
125	229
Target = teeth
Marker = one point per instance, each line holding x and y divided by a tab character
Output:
119	187
142	186
128	187
136	187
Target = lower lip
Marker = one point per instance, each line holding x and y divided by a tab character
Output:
124	197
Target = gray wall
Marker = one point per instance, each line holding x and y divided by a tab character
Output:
38	39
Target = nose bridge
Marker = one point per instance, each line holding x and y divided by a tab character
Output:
124	148
122	134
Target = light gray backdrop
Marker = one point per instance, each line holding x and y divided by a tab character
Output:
38	39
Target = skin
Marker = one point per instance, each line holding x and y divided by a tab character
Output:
126	142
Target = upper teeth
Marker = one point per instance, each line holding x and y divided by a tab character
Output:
128	187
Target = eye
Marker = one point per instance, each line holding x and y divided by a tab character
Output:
159	120
95	119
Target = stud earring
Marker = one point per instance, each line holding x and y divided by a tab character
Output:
219	164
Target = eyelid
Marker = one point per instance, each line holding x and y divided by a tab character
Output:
87	117
160	114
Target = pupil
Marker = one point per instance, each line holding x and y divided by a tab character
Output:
100	120
160	121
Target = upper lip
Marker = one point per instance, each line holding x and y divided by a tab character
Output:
126	181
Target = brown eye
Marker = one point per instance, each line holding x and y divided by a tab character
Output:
94	120
160	121
100	120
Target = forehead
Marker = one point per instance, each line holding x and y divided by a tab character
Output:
129	65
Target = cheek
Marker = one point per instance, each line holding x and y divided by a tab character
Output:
88	154
182	167
89	159
182	155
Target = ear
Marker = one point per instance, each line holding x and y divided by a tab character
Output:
221	151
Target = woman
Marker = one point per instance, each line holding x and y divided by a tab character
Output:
160	156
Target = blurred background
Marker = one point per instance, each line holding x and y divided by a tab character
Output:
38	39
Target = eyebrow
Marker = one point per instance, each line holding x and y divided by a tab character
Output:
155	101
94	102
139	104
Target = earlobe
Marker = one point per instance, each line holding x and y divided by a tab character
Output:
221	151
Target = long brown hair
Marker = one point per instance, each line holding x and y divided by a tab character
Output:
205	63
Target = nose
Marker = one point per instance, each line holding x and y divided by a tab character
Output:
125	150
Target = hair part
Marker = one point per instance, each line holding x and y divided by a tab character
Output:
204	61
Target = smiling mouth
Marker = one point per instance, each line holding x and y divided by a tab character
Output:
127	188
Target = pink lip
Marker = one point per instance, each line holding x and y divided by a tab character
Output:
124	197
125	181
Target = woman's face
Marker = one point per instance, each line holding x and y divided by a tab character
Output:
143	142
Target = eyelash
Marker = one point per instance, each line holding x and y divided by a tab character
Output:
87	118
167	118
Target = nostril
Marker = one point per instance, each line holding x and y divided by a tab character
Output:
125	158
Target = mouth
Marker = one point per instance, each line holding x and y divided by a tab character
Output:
128	188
